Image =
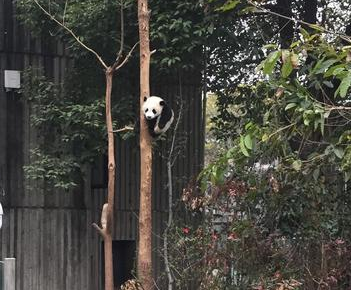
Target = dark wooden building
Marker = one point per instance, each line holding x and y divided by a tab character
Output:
50	233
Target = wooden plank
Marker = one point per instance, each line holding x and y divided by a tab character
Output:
19	251
3	130
41	242
26	252
9	274
124	174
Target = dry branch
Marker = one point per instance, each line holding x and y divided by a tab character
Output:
170	203
312	25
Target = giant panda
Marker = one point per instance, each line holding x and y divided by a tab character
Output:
158	115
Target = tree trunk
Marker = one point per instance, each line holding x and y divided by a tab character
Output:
107	236
106	228
145	212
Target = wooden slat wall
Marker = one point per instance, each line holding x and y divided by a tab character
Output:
52	248
50	232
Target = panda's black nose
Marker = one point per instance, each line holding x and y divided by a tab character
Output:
148	117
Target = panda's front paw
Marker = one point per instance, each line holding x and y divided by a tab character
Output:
157	130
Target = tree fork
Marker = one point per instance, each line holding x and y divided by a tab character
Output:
145	210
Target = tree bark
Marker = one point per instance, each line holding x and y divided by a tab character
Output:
111	186
107	219
145	212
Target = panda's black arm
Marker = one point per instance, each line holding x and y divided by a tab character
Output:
166	115
150	125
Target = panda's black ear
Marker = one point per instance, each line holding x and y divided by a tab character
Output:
162	103
145	98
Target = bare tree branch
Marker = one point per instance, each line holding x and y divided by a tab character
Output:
170	202
126	58
126	128
120	53
323	29
72	33
64	13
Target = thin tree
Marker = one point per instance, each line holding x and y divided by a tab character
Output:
171	158
107	215
145	211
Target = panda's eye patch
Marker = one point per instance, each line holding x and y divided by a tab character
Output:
154	111
146	110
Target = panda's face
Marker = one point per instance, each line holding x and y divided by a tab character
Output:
152	107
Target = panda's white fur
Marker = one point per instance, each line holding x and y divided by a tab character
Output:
158	115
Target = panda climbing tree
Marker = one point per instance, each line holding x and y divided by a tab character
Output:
158	115
107	216
144	266
160	125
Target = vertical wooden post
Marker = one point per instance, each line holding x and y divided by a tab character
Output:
10	274
145	212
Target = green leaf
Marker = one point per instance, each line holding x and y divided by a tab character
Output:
270	46
344	86
322	123
271	61
334	70
328	84
347	176
304	33
243	148
266	117
316	27
229	5
287	68
315	174
265	137
339	152
323	66
289	106
296	165
248	141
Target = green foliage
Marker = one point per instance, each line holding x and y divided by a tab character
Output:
292	153
275	205
178	31
70	127
61	172
96	23
69	117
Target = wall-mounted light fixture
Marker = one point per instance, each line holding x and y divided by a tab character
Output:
12	79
